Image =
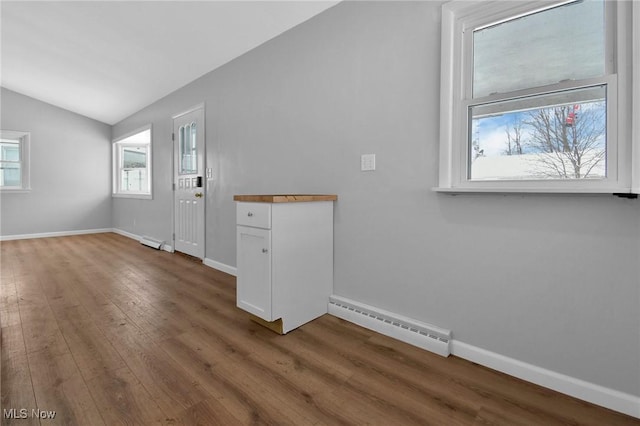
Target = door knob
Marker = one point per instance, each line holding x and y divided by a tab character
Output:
198	194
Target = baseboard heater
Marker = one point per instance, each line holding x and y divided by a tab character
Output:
151	242
422	335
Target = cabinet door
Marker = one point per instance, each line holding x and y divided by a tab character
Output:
253	291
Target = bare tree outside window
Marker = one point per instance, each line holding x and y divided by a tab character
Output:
570	140
521	142
514	138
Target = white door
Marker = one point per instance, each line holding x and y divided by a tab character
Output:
189	194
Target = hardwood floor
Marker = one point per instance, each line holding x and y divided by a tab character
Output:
103	330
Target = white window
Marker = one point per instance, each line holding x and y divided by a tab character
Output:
132	164
533	97
14	161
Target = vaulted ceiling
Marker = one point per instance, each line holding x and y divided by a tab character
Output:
108	59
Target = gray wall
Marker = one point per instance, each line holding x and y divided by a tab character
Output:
549	280
70	170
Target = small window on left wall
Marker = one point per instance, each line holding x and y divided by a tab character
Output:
132	164
14	161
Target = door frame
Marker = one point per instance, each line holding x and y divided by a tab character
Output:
196	107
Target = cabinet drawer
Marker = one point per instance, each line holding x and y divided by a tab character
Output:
257	215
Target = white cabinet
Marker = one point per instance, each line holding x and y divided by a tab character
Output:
284	258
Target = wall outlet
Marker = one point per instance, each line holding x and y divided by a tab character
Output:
368	162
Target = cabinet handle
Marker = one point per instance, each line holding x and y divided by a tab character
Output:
265	250
249	214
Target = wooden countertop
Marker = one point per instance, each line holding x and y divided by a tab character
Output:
285	198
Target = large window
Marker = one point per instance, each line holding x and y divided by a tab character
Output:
14	161
132	164
530	97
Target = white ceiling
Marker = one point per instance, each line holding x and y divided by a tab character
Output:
109	59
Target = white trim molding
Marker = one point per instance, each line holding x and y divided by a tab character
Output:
208	262
24	141
132	140
188	110
54	234
596	394
126	234
221	267
586	391
635	84
459	19
78	232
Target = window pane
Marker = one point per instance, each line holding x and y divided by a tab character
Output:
555	136
134	180
10	174
10	150
132	166
566	42
193	146
188	149
181	148
134	157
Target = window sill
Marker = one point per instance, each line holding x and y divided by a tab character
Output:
538	191
15	191
134	196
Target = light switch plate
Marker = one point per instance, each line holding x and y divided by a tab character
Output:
368	162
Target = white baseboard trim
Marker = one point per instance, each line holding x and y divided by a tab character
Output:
586	391
54	234
599	395
221	267
126	234
165	246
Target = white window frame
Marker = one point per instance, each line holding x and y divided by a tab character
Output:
24	140
635	157
117	144
459	20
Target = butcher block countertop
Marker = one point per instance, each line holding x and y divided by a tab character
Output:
285	198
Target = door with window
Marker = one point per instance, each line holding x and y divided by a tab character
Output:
189	194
